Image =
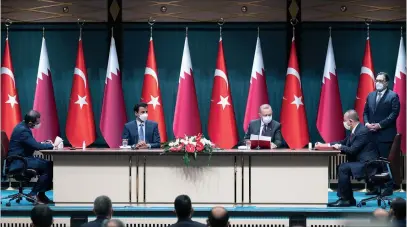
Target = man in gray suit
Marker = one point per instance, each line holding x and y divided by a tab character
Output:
266	126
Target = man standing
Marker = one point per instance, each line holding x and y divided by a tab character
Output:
142	133
184	211
266	126
359	148
22	143
380	114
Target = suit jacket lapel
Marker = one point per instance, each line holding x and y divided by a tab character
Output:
136	132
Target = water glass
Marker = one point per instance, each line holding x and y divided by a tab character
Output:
125	142
248	145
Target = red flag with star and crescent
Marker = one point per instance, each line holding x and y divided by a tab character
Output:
222	123
294	126
366	81
400	89
80	125
151	93
10	105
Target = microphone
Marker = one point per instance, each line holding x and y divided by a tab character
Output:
258	140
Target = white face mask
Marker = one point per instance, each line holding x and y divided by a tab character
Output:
37	126
266	119
143	117
379	86
347	127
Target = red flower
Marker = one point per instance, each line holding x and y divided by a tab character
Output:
199	146
190	148
198	137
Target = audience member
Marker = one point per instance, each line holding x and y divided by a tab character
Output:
41	216
184	211
398	212
102	207
113	223
218	217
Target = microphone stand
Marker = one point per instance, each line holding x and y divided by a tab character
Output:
258	142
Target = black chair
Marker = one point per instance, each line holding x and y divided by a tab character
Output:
22	175
391	165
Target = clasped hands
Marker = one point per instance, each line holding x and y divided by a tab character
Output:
373	127
141	145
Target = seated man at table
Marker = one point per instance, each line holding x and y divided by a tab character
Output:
359	149
265	126
142	133
22	143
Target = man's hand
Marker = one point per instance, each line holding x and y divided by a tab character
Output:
375	126
272	145
141	145
370	127
337	146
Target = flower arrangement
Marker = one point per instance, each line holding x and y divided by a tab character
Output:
190	146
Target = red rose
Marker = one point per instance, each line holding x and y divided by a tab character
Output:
199	146
190	148
199	137
174	149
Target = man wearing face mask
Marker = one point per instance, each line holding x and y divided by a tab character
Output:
359	148
266	126
22	143
142	133
380	114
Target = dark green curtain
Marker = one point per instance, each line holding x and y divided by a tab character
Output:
239	45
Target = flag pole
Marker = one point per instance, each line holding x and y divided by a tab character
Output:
151	22
80	23
221	22
8	23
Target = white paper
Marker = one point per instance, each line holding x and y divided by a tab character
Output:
57	141
260	138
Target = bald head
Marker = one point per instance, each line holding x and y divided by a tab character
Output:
218	217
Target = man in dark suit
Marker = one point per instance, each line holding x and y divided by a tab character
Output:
266	126
142	133
218	217
184	211
380	114
359	149
102	207
22	143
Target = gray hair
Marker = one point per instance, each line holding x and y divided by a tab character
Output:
116	222
264	107
352	114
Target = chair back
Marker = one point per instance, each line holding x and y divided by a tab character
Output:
395	159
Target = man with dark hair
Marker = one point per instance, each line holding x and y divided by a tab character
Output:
380	114
41	216
184	211
359	148
142	133
398	212
218	217
103	209
23	143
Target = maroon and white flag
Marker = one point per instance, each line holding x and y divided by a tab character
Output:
44	101
113	115
400	89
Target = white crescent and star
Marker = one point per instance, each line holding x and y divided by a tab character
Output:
151	72
81	101
222	75
80	73
12	100
294	72
366	70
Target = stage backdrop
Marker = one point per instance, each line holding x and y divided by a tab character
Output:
239	45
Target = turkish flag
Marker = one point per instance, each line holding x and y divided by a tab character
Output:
44	101
222	123
366	81
80	125
258	88
113	115
400	89
329	119
186	117
294	126
10	105
151	93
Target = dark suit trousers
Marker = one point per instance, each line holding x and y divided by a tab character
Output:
344	184
44	169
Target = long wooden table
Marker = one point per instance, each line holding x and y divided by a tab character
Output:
280	177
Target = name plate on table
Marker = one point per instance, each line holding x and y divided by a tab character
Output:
264	142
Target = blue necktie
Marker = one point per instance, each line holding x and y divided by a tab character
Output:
141	133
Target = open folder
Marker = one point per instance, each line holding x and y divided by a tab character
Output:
324	147
263	142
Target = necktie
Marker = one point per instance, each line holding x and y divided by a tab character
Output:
379	96
141	132
263	132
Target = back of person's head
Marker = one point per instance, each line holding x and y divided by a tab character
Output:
218	217
398	208
183	206
41	216
103	206
31	117
113	223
